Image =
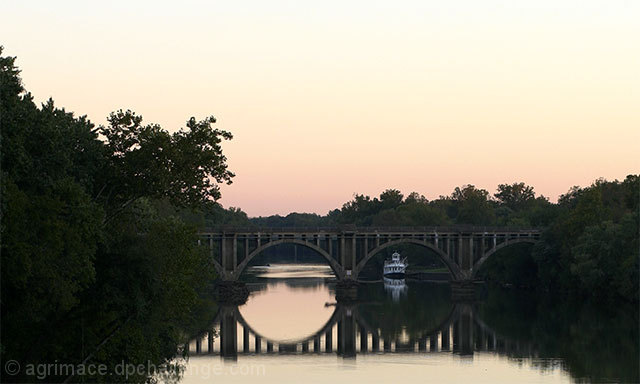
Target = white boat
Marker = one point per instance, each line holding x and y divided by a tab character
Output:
395	268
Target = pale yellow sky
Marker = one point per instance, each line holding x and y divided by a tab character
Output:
330	99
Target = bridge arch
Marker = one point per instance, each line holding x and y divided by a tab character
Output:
478	264
339	311
335	266
455	271
442	326
335	316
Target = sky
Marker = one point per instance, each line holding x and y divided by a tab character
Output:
327	99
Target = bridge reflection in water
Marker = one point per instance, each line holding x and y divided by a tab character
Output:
348	334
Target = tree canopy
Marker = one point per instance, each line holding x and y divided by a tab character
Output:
590	246
94	242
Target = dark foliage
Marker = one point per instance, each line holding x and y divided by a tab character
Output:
589	249
98	264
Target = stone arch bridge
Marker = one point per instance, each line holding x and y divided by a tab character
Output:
462	249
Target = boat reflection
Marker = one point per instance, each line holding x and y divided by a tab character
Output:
396	288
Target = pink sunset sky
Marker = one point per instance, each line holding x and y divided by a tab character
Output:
332	98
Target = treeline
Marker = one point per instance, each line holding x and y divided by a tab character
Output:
591	247
97	265
513	204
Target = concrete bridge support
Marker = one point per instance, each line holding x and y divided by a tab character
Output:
258	344
445	342
347	334
463	331
375	342
229	257
328	340
245	339
210	342
228	333
433	343
364	340
347	253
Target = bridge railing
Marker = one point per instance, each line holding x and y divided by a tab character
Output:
387	229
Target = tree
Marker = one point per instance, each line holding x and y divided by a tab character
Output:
516	196
147	161
591	248
72	278
359	210
473	205
420	214
50	224
605	259
390	198
415	198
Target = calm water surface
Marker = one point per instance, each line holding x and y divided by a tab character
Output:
292	330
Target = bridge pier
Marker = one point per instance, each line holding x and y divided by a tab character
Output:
210	342
232	292
328	340
375	342
228	333
364	340
445	342
347	291
463	291
433	343
347	334
463	330
348	252
245	340
229	256
340	340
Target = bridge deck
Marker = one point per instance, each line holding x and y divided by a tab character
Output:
390	229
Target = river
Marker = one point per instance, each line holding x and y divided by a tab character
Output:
292	330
